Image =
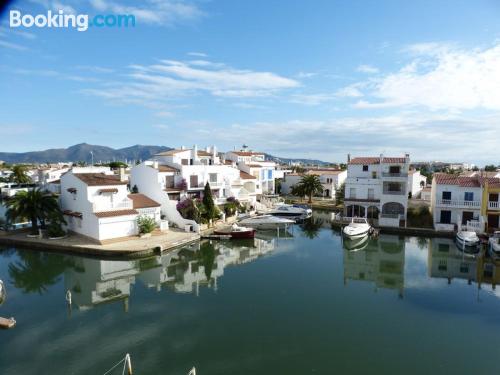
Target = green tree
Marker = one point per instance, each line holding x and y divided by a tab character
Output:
298	190
36	205
19	175
340	194
211	211
117	164
490	168
311	185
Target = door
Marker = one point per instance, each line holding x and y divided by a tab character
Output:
493	222
193	181
445	217
446	195
169	181
467	216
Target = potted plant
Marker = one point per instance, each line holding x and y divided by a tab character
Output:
146	225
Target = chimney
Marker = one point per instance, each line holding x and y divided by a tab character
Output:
195	152
407	158
214	152
348	158
183	148
122	175
155	164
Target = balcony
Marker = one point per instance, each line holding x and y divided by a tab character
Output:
493	205
394	192
112	206
396	175
458	203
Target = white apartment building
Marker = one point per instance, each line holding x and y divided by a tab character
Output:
330	178
254	164
177	174
97	204
377	188
416	182
456	202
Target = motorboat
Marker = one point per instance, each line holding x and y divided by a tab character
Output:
356	244
494	246
358	227
291	210
266	222
467	239
235	231
7	323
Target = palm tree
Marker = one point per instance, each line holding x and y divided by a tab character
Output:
19	175
311	185
36	205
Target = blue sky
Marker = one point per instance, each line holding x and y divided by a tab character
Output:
315	79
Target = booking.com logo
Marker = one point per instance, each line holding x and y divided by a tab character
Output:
59	19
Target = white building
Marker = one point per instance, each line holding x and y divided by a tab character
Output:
416	182
330	178
254	164
426	194
177	174
456	202
377	188
97	204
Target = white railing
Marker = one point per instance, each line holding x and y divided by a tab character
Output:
388	174
473	226
492	205
112	206
458	203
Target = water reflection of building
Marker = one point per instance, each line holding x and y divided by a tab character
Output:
488	272
381	262
93	282
201	265
446	261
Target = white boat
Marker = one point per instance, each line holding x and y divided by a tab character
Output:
266	222
494	246
357	228
290	210
467	239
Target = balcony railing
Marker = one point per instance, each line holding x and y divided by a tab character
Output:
112	206
394	192
389	174
458	203
392	216
493	205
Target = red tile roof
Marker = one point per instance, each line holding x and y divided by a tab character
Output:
142	201
203	153
376	160
167	168
254	165
247	153
246	176
99	179
115	213
109	190
72	213
450	179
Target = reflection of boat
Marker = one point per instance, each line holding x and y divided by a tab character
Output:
290	210
494	245
235	231
266	222
356	244
468	241
358	227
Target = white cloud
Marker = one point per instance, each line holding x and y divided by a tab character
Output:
197	54
311	99
351	91
441	77
367	69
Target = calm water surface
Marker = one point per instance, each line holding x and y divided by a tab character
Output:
302	304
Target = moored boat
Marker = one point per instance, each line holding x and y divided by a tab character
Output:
357	228
494	246
235	231
467	239
291	210
266	222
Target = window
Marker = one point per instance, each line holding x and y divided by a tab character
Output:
445	217
374	174
442	265
444	247
270	174
365	168
394	169
394	186
446	195
213	177
468	196
371	194
184	162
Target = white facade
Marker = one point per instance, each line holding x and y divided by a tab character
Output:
377	188
456	203
330	179
96	204
416	182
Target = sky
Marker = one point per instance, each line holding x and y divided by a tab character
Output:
310	79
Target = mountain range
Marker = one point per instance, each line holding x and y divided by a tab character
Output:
82	152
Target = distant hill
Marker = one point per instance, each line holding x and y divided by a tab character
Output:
81	152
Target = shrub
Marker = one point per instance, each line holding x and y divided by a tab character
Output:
420	217
189	210
146	224
54	228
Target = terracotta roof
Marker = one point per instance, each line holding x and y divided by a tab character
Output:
72	213
450	179
170	152
115	213
99	179
167	168
324	171
203	153
254	165
142	201
110	190
376	160
246	176
247	153
173	190
228	162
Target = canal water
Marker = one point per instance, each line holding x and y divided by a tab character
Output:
304	303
